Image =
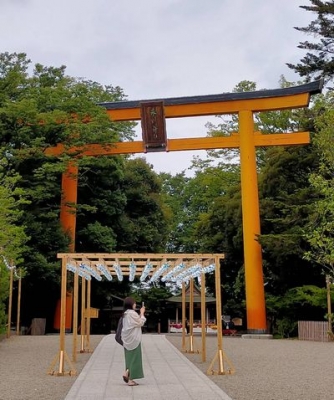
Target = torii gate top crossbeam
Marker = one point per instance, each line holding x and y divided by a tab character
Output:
225	103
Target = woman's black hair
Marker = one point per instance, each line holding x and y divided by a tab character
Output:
128	303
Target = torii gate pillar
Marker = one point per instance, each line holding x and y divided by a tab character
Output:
255	299
69	200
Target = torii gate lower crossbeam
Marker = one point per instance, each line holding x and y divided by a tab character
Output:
247	139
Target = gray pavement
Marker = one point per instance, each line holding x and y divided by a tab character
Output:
168	375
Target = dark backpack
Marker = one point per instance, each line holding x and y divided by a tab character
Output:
118	335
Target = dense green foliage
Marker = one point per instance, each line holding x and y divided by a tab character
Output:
320	230
12	235
318	61
118	199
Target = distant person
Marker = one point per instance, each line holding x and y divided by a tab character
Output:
187	326
131	336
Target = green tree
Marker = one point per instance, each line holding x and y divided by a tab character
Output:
300	303
154	298
174	194
123	210
226	126
189	200
142	225
286	204
12	236
101	202
39	110
202	208
318	61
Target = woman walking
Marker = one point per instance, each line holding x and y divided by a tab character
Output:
131	336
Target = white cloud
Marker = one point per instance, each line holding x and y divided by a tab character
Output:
156	49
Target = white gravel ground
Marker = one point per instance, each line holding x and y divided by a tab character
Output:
273	369
265	369
24	363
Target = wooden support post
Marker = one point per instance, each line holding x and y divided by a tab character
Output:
255	300
191	316
88	316
191	347
62	317
75	316
83	319
203	322
62	356
10	300
219	319
18	313
183	317
220	355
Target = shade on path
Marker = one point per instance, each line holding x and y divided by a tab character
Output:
169	375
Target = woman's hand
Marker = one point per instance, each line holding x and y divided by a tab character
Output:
142	311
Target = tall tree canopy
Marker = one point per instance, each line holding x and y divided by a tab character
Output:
12	235
41	107
318	61
320	229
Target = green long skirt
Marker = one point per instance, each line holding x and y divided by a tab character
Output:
134	363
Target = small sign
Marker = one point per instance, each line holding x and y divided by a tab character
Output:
153	126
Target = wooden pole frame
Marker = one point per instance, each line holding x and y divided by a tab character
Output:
83	316
203	319
191	343
220	356
191	316
61	359
89	283
75	317
183	316
125	259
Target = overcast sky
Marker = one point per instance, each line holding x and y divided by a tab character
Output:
161	48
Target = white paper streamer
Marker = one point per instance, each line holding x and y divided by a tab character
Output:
132	274
158	273
147	270
104	270
118	271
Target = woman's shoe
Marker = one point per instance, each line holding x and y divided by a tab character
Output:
132	383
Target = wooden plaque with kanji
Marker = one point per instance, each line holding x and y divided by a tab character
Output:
153	126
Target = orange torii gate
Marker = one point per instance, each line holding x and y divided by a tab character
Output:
153	113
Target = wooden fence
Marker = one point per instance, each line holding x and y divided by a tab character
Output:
313	330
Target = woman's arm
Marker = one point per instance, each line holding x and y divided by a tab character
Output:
135	319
